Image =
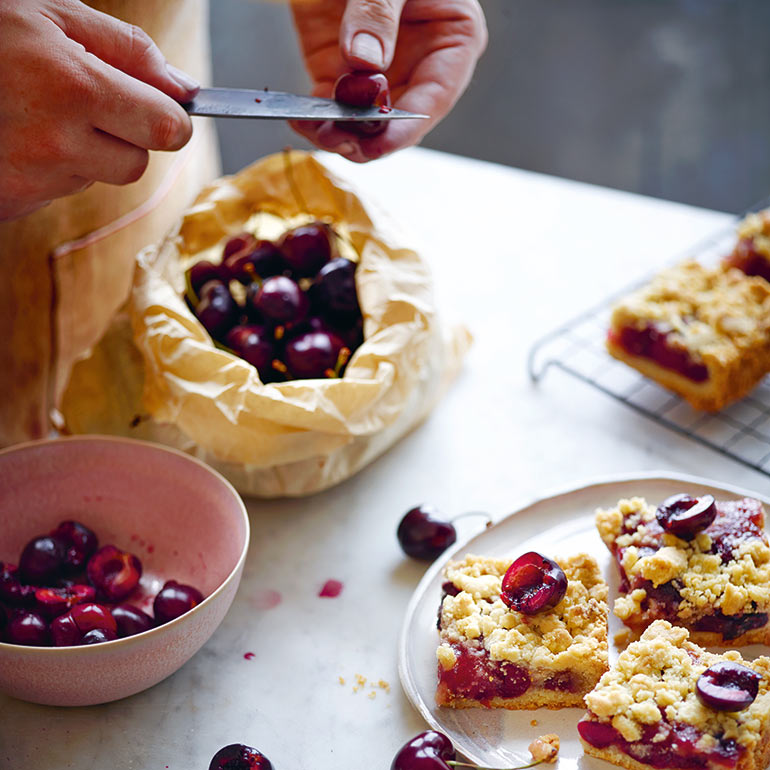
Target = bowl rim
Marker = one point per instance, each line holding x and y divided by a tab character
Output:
157	630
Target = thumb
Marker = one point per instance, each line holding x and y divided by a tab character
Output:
127	48
368	33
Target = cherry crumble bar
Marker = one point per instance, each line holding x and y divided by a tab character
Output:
716	584
701	332
495	657
653	709
752	251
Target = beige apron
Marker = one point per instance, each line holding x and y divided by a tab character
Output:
68	267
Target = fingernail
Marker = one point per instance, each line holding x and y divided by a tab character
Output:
182	78
369	49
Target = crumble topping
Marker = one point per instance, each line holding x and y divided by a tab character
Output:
654	680
705	583
756	226
545	748
712	312
570	635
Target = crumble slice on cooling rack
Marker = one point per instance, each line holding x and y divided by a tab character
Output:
752	251
713	577
496	657
668	703
703	333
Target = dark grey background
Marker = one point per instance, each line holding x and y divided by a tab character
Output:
669	98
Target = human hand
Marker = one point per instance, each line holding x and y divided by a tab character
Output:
427	48
83	97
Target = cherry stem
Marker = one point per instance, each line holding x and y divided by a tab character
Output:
473	513
298	199
453	763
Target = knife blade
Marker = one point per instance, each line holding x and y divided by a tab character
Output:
277	105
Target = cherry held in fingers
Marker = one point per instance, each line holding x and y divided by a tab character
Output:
236	756
533	583
424	534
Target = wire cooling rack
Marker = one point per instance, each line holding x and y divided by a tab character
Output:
741	431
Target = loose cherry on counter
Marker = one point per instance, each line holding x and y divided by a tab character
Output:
173	600
533	583
114	573
236	756
685	516
424	534
728	686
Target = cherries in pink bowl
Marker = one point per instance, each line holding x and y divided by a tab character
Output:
181	520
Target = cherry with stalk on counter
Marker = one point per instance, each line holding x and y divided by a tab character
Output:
424	533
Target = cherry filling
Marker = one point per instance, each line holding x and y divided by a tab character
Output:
477	677
746	258
663	745
732	626
652	342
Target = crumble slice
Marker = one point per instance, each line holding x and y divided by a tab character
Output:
752	251
645	711
496	657
703	333
716	585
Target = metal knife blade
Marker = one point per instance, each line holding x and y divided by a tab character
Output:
277	105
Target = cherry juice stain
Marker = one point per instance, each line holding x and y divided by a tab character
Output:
266	599
248	656
331	589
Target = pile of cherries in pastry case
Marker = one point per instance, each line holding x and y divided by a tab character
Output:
66	591
300	318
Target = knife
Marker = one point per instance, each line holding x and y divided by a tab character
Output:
277	105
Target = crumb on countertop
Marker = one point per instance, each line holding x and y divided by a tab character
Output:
545	748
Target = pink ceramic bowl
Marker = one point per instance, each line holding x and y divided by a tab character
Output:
182	519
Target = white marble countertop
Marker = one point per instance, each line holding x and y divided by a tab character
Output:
514	254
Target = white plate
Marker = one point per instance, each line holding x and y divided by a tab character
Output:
556	525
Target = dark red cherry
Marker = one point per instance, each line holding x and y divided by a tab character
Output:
241	242
80	544
533	583
201	273
281	301
173	600
131	620
217	310
313	355
41	560
335	287
363	89
727	686
12	590
114	573
253	344
685	516
307	248
28	627
52	602
236	756
597	734
427	751
69	629
424	534
97	636
260	261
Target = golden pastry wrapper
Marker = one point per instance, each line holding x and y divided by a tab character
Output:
161	377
